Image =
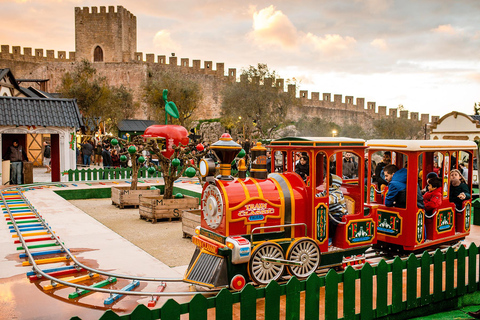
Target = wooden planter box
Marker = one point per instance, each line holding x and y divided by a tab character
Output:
190	220
123	196
157	208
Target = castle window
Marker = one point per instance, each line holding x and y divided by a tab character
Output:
208	65
98	54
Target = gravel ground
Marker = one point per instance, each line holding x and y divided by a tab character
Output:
163	240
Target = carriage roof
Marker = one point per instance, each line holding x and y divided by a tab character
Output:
420	145
318	142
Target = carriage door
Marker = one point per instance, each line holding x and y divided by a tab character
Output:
320	205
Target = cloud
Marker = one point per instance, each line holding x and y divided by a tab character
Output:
271	26
379	43
445	28
163	41
331	44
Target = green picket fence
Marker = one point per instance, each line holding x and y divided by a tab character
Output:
107	174
366	293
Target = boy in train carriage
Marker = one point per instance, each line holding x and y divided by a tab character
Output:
302	168
337	206
433	197
397	185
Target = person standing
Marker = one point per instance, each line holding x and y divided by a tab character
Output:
47	156
87	150
106	156
17	156
98	153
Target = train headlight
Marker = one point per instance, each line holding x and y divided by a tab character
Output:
207	167
241	249
212	206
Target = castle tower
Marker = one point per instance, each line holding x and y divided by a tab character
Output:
105	36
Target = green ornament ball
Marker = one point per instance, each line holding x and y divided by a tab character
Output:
123	158
141	159
179	195
151	170
176	162
153	188
114	142
241	154
132	149
190	172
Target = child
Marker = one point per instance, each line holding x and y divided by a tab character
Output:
433	198
337	206
458	189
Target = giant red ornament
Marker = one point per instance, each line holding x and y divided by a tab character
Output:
173	134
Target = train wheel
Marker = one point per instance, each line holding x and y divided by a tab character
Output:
304	250
261	271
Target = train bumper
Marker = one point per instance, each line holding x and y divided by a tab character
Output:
207	269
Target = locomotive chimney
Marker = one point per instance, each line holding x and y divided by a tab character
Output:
259	162
226	149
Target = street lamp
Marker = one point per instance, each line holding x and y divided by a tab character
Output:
334	133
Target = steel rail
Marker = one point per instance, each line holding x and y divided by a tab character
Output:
37	270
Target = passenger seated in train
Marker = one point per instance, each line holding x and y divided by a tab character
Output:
433	197
458	189
397	185
302	168
379	176
430	176
337	206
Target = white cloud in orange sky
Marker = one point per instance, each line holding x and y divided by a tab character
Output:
331	44
445	28
380	44
163	41
271	26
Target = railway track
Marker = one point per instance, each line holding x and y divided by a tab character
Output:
50	260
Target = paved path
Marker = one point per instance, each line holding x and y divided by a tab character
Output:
94	245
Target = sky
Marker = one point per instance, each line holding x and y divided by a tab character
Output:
422	54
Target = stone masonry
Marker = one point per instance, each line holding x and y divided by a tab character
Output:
108	40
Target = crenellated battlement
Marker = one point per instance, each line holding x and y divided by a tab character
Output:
104	14
36	56
107	37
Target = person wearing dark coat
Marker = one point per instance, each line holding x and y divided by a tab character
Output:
302	168
87	151
16	154
107	158
459	190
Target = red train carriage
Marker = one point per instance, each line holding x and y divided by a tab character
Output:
261	228
412	228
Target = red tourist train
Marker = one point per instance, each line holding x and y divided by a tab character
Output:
267	226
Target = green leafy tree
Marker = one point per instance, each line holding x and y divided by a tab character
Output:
317	127
397	128
353	131
255	103
97	101
186	93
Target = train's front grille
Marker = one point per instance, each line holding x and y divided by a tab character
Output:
206	269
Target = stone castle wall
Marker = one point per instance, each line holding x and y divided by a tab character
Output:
115	33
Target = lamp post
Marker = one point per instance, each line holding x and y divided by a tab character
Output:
334	133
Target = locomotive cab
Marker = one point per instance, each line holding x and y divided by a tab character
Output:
261	228
410	226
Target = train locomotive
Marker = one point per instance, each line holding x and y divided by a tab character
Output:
271	225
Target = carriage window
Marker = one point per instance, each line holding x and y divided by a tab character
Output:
302	165
280	161
321	165
350	165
